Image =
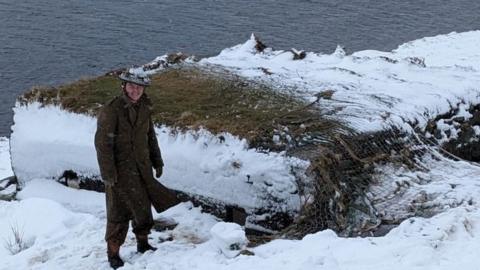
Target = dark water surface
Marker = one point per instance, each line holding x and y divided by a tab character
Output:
56	41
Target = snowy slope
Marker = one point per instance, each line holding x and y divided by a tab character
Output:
46	141
64	227
59	237
400	193
373	89
5	171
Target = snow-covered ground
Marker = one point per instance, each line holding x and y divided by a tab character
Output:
5	171
63	228
373	89
401	193
196	162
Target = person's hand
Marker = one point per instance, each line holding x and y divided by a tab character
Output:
158	172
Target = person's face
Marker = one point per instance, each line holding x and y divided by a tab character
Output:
134	91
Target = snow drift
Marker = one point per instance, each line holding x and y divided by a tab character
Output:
46	141
371	91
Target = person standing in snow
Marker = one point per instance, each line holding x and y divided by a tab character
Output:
127	150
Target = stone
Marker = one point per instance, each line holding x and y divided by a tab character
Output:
3	183
8	181
475	120
259	46
417	61
8	188
236	215
229	238
459	119
438	134
164	223
8	193
246	252
298	55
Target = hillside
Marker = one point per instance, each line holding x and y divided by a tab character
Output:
334	141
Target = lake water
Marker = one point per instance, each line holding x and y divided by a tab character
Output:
50	42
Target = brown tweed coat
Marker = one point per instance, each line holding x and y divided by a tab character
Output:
127	150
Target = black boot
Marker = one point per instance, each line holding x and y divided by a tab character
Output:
113	253
115	261
142	244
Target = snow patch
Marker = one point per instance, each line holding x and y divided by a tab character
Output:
5	165
372	89
47	140
229	238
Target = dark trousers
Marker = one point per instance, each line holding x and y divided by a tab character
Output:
121	208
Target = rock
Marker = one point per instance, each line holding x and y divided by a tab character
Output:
8	188
459	119
340	51
164	223
176	58
475	120
72	179
115	72
4	183
8	181
67	176
417	61
259	46
247	252
229	238
438	134
73	183
298	55
8	193
389	60
326	94
235	215
94	184
266	71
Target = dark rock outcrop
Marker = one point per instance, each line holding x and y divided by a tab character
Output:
8	188
458	134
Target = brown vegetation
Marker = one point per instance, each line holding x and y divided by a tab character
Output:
191	98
